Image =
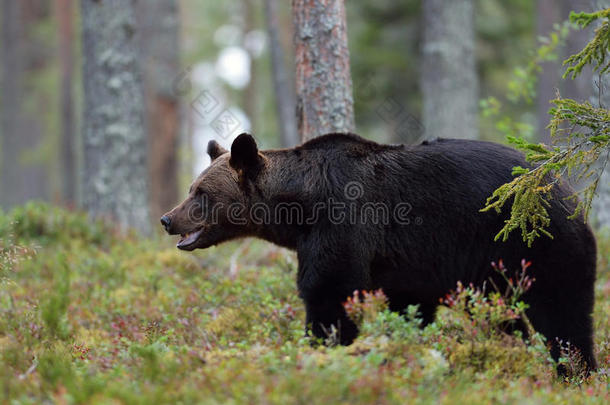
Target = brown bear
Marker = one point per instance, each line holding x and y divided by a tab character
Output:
406	219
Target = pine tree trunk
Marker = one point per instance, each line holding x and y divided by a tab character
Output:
449	79
115	175
282	87
323	79
159	23
65	12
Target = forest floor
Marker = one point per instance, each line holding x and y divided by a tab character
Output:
91	315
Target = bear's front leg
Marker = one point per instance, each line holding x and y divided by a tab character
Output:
326	318
328	274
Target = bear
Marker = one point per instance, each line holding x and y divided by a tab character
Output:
405	219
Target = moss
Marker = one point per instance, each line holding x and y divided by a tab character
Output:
489	355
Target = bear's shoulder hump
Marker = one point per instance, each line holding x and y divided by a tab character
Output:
340	139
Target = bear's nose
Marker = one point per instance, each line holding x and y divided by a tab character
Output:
166	221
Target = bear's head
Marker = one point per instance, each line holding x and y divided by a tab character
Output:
216	207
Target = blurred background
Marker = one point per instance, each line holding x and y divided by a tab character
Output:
213	69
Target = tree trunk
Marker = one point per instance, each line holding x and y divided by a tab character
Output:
323	80
550	12
22	131
579	89
159	23
251	100
283	88
601	202
116	175
601	97
65	12
548	80
449	77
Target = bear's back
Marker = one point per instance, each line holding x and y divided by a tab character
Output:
443	165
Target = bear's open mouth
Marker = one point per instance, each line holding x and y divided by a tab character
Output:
189	239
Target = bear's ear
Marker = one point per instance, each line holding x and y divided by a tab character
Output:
215	150
244	153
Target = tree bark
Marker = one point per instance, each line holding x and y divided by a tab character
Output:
282	87
449	78
601	202
116	175
601	97
550	12
547	14
159	24
323	79
65	12
579	89
251	98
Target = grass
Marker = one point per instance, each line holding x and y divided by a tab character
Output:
91	315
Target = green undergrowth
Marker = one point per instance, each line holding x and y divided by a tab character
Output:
93	315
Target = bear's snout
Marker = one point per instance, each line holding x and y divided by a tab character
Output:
166	222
